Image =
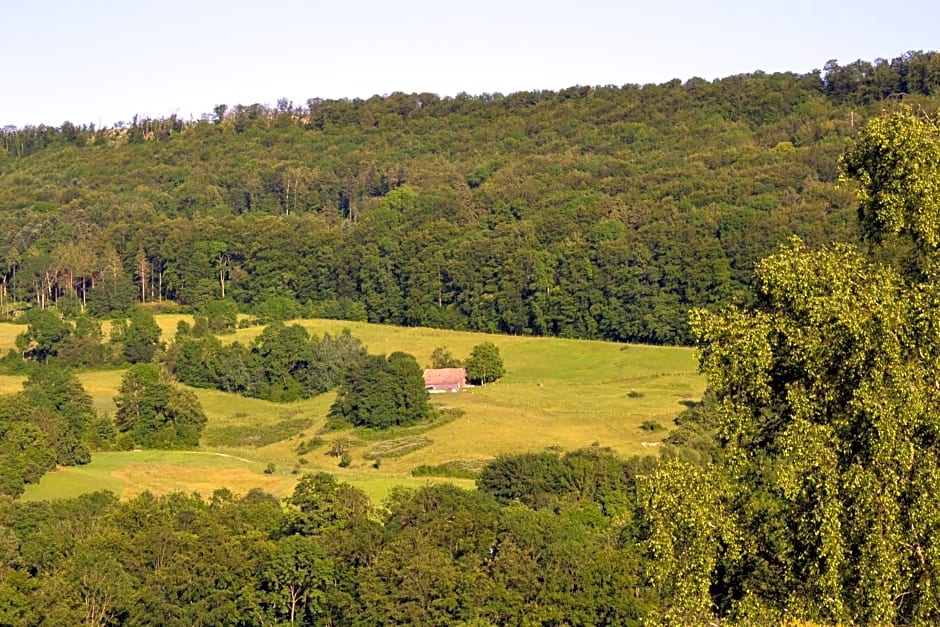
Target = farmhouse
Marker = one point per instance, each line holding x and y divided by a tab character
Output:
445	379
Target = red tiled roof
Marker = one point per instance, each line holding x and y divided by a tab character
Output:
445	376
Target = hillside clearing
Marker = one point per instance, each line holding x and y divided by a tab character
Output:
558	394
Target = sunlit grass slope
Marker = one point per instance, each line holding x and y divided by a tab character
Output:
557	394
8	333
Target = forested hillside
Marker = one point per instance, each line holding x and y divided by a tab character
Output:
600	212
801	490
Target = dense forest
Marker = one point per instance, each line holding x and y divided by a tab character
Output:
597	212
566	554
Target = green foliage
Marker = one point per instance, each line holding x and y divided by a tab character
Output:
154	412
383	392
257	436
83	347
340	309
50	422
280	360
24	454
294	580
283	363
896	160
13	363
831	382
485	364
695	437
688	531
825	405
437	555
441	358
540	480
198	361
64	410
494	213
398	447
44	335
529	477
141	338
113	295
455	468
221	315
46	424
321	501
333	358
277	309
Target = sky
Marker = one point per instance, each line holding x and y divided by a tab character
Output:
103	61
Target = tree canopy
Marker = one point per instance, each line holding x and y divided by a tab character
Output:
593	211
485	364
50	422
827	409
154	412
383	392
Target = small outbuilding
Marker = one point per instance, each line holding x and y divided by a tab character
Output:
445	379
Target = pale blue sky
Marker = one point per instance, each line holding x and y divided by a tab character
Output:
101	61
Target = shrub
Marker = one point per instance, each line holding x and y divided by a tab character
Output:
398	448
454	469
308	445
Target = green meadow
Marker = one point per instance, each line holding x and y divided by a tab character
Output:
557	394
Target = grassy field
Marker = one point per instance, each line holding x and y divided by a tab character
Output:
8	333
558	394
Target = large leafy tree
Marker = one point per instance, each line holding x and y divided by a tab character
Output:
141	339
44	335
383	392
827	402
25	455
280	362
294	579
485	364
64	410
48	423
156	413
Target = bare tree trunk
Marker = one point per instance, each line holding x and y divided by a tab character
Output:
294	599
286	199
142	273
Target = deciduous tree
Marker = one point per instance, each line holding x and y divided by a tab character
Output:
156	413
485	364
827	402
383	392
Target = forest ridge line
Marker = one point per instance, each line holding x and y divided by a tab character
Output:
596	212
